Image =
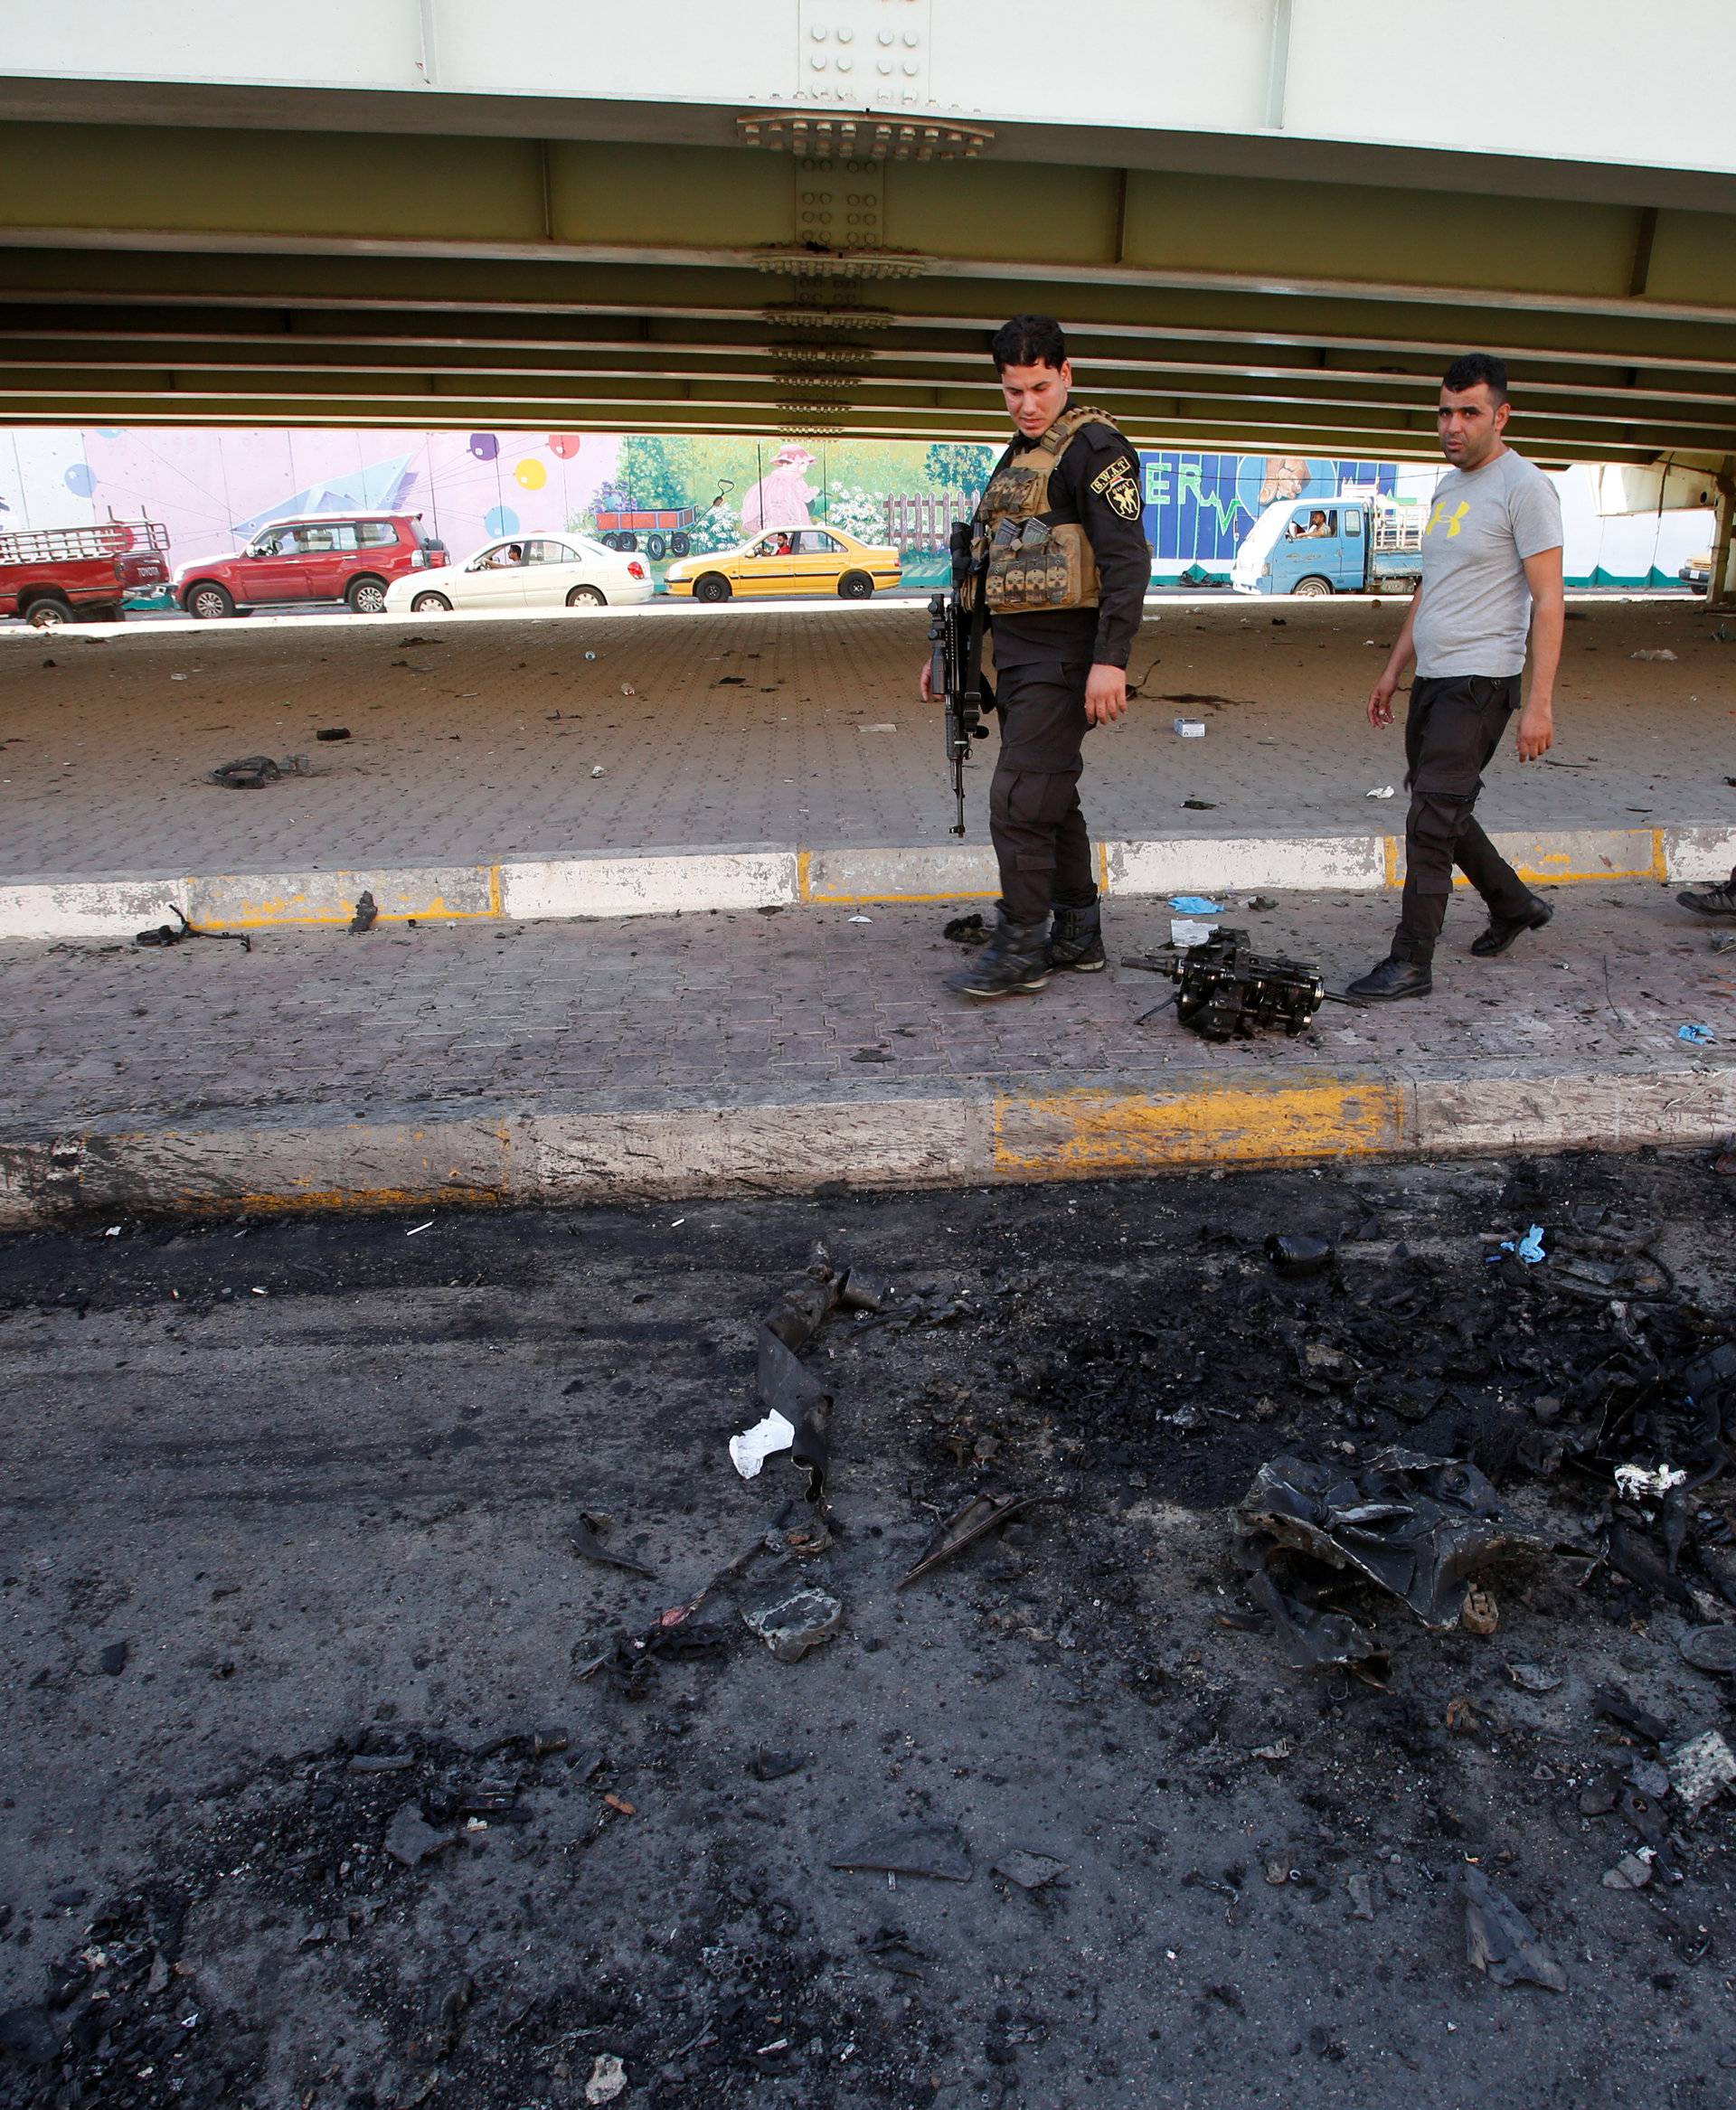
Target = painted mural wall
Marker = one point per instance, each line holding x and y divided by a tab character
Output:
212	489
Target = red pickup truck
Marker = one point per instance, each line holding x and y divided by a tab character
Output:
56	575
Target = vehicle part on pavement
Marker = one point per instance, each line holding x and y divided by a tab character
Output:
251	773
917	1850
1501	1942
166	933
1226	991
366	915
1420	1527
981	1513
1712	1649
1313	1638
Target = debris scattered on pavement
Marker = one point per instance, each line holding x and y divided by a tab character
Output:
967	930
1533	1678
254	772
1313	1638
584	1535
1381	791
981	1513
750	1449
1701	1770
1529	1248
1200	805
791	1623
596	770
1660	652
608	2078
1501	1942
876	729
918	1849
168	934
1712	1649
1698	1036
1194	905
367	913
1420	1527
1030	1872
1297	1255
410	1839
1191	729
1636	1482
1185	933
333	732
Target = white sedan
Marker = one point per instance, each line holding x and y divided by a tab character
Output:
527	571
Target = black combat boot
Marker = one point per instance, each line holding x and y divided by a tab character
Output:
1014	962
1713	900
1391	980
1503	929
1076	941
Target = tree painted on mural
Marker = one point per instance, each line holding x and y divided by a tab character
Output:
953	465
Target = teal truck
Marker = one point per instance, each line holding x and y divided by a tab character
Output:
1353	544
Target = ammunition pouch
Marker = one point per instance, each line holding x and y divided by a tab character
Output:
1028	562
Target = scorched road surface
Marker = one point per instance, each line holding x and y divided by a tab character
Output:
307	1801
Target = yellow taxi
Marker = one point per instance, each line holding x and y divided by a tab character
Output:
786	561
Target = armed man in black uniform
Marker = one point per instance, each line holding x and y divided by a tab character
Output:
1062	562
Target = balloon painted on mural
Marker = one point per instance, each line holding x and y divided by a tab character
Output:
530	473
80	479
563	445
484	447
500	520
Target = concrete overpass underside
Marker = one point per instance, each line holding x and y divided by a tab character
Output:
226	252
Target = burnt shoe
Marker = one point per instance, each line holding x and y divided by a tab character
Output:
1014	963
1392	980
1712	900
1076	941
1503	929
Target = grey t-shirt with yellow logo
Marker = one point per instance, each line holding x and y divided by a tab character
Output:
1474	613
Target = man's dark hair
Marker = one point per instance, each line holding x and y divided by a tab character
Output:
1030	340
1471	367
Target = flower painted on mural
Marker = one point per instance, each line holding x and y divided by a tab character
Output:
781	497
501	519
484	447
80	479
563	445
530	475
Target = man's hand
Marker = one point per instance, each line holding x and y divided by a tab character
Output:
1536	729
1379	702
1106	695
928	692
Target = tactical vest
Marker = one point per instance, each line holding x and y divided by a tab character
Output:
1028	562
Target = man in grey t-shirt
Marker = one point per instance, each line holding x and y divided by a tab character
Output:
1491	580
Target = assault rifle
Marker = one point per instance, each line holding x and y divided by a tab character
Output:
956	665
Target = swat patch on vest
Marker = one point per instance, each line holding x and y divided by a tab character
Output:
1118	486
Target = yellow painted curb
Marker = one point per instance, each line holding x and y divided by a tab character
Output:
1081	1134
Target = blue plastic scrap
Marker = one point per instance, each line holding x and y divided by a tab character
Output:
1696	1036
1194	905
1530	1248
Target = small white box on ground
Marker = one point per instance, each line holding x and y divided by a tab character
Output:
1191	729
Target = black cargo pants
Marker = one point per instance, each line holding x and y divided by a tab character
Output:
1034	818
1454	727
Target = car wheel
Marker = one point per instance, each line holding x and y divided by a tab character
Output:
655	547
856	585
366	597
427	604
49	613
208	601
712	586
1311	589
679	545
587	597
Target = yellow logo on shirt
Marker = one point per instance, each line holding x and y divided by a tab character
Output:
1454	522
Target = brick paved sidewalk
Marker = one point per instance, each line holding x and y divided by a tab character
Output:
716	1010
477	742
